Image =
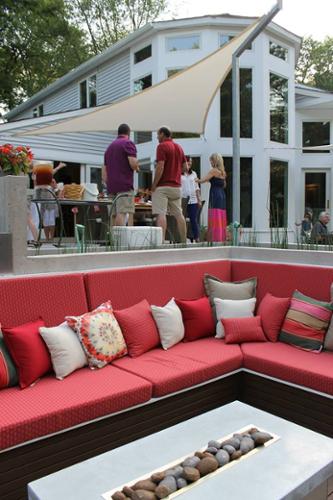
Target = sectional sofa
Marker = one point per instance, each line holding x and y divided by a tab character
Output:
57	423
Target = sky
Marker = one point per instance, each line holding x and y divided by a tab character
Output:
302	17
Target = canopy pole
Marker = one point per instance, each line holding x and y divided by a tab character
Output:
263	23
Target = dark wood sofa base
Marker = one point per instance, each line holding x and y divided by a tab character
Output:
32	461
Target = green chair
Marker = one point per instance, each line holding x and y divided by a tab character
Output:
80	237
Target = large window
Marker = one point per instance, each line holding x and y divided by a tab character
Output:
278	109
142	54
88	92
185	42
174	71
143	83
278	51
245	190
316	134
223	39
278	187
39	111
245	95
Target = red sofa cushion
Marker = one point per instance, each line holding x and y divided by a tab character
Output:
184	365
272	311
282	279
197	318
53	405
138	328
50	297
29	351
157	284
239	330
285	362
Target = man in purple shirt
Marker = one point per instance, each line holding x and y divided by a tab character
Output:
120	163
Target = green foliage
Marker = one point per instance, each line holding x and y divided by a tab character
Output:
37	45
315	64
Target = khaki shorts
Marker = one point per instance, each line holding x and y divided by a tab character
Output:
125	204
167	199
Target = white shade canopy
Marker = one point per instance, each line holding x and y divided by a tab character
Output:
182	102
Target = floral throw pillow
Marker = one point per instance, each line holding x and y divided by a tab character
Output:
100	335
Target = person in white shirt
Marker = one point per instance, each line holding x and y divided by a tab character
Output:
191	191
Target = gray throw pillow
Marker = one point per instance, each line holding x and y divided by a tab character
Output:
328	342
225	290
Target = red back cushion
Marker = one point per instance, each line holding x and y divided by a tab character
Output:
50	297
282	279
239	330
138	328
197	317
157	284
28	351
272	311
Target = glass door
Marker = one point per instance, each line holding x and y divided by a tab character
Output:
317	191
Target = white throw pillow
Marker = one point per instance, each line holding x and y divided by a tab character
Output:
65	349
169	323
232	309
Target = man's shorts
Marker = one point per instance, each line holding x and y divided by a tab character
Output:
166	199
124	204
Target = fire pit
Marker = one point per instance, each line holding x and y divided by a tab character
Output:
188	471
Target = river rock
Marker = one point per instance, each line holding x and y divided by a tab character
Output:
146	484
236	455
237	436
157	477
261	438
119	495
223	457
229	449
191	461
181	483
176	472
246	445
212	450
235	442
191	474
144	495
170	483
207	465
203	454
162	491
253	429
214	444
129	492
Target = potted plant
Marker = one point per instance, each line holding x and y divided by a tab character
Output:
15	160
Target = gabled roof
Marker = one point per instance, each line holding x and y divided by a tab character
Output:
94	62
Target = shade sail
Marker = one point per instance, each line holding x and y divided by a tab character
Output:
181	102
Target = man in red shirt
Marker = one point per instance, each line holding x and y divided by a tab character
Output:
166	187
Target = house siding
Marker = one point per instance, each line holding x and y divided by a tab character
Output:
65	100
113	80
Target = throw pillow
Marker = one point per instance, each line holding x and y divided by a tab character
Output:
328	342
8	373
139	328
232	309
306	322
238	330
169	323
272	311
28	351
100	335
67	354
237	290
197	318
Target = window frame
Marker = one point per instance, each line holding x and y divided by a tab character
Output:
178	70
275	73
271	40
150	73
86	81
286	195
183	36
326	151
139	50
36	111
229	183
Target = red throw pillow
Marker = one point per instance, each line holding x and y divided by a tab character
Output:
28	350
238	330
197	318
138	328
273	311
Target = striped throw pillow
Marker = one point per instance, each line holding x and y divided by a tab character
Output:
306	322
8	373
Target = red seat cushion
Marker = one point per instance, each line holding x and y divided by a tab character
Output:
139	328
53	405
288	363
239	330
197	318
157	284
184	365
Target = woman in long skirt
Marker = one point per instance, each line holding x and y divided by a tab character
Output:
217	214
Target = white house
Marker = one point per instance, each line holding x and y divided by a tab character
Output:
278	117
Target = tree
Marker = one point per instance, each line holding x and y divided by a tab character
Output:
37	45
107	21
315	63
